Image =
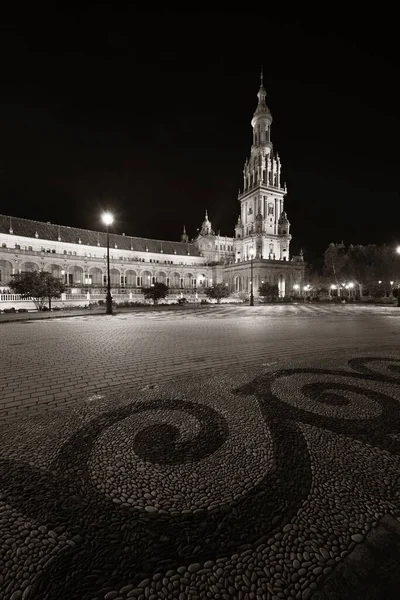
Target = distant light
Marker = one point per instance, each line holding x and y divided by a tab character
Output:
333	286
398	249
392	282
107	218
379	281
295	287
351	285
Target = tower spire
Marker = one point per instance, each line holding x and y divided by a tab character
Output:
262	77
184	236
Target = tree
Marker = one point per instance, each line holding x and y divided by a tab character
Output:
217	292
37	285
335	262
156	292
269	291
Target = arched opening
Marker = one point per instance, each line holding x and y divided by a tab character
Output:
146	278
175	280
161	277
202	280
75	276
115	275
96	276
238	283
130	277
188	281
5	272
55	270
29	267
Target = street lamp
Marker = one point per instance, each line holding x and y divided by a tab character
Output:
398	282
251	277
107	219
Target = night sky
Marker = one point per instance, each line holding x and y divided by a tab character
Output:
148	114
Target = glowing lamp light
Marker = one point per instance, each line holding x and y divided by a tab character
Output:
107	218
398	249
296	286
351	285
379	281
392	282
333	286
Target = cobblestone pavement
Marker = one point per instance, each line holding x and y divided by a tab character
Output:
278	478
54	361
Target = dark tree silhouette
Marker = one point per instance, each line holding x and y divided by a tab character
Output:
37	285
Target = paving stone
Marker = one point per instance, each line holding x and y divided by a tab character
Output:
247	481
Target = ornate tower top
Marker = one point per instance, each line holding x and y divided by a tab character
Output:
262	109
206	228
184	235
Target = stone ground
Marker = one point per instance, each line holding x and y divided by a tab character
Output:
234	452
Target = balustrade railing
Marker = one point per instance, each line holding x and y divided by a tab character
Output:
100	293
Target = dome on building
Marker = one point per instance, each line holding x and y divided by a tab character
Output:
206	228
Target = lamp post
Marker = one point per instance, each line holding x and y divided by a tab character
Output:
251	278
107	220
398	282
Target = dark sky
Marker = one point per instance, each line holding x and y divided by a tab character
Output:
148	114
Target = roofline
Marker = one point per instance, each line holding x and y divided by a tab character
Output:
91	230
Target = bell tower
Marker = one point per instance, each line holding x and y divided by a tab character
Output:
262	199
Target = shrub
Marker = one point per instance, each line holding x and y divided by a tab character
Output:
10	310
